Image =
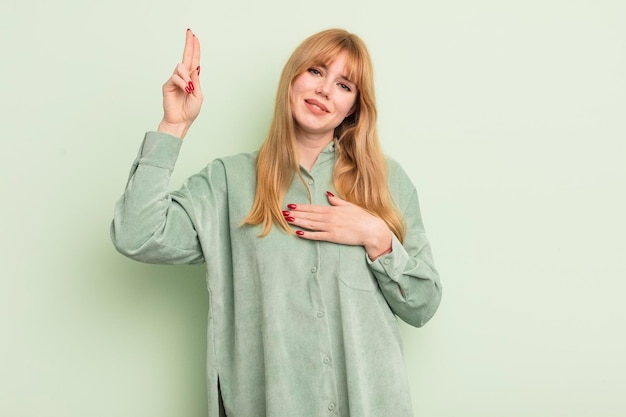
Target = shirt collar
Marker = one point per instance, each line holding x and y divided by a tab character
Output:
330	148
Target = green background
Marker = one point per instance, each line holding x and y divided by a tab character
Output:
508	116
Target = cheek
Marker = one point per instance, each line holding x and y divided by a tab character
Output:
296	92
293	97
298	84
349	104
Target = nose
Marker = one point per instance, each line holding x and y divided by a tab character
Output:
323	89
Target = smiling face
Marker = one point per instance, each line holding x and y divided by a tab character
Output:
321	98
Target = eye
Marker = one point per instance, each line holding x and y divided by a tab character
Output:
345	86
314	71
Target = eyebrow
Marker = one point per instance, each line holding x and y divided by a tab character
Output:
348	79
343	76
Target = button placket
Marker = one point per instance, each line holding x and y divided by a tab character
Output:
323	351
318	274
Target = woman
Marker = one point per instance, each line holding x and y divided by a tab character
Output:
313	244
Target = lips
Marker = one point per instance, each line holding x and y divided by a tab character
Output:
315	106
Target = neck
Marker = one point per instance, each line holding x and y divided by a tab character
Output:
309	148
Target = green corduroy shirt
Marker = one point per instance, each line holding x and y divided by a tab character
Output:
296	328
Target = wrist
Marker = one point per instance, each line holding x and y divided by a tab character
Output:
385	252
175	129
380	246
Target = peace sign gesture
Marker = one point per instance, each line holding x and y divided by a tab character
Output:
182	96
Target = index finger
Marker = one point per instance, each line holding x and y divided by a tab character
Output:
188	52
308	208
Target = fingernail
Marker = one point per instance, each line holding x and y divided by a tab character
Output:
188	90
291	206
191	87
188	29
289	219
198	69
286	213
299	232
330	194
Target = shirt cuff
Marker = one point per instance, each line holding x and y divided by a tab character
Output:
393	263
159	150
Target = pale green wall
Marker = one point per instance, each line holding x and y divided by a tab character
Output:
509	116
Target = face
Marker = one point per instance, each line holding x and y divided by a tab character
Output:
321	98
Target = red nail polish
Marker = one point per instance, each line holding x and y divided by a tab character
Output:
188	90
291	206
198	69
191	87
330	194
299	232
286	213
289	219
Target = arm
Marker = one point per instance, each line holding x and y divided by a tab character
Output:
149	224
407	276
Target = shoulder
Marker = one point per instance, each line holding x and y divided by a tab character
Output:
396	175
241	166
400	185
233	175
238	161
393	165
224	170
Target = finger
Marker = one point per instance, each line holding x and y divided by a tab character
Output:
325	236
191	81
311	221
181	71
178	81
195	57
335	201
308	222
308	208
188	51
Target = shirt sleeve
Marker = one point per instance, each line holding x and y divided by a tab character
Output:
150	224
407	275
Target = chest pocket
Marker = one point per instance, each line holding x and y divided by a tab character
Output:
354	271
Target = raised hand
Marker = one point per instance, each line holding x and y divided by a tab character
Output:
342	222
182	96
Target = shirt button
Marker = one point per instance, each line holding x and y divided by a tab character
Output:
311	182
320	314
331	406
326	360
314	269
386	261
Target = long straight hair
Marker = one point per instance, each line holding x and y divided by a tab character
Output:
360	173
